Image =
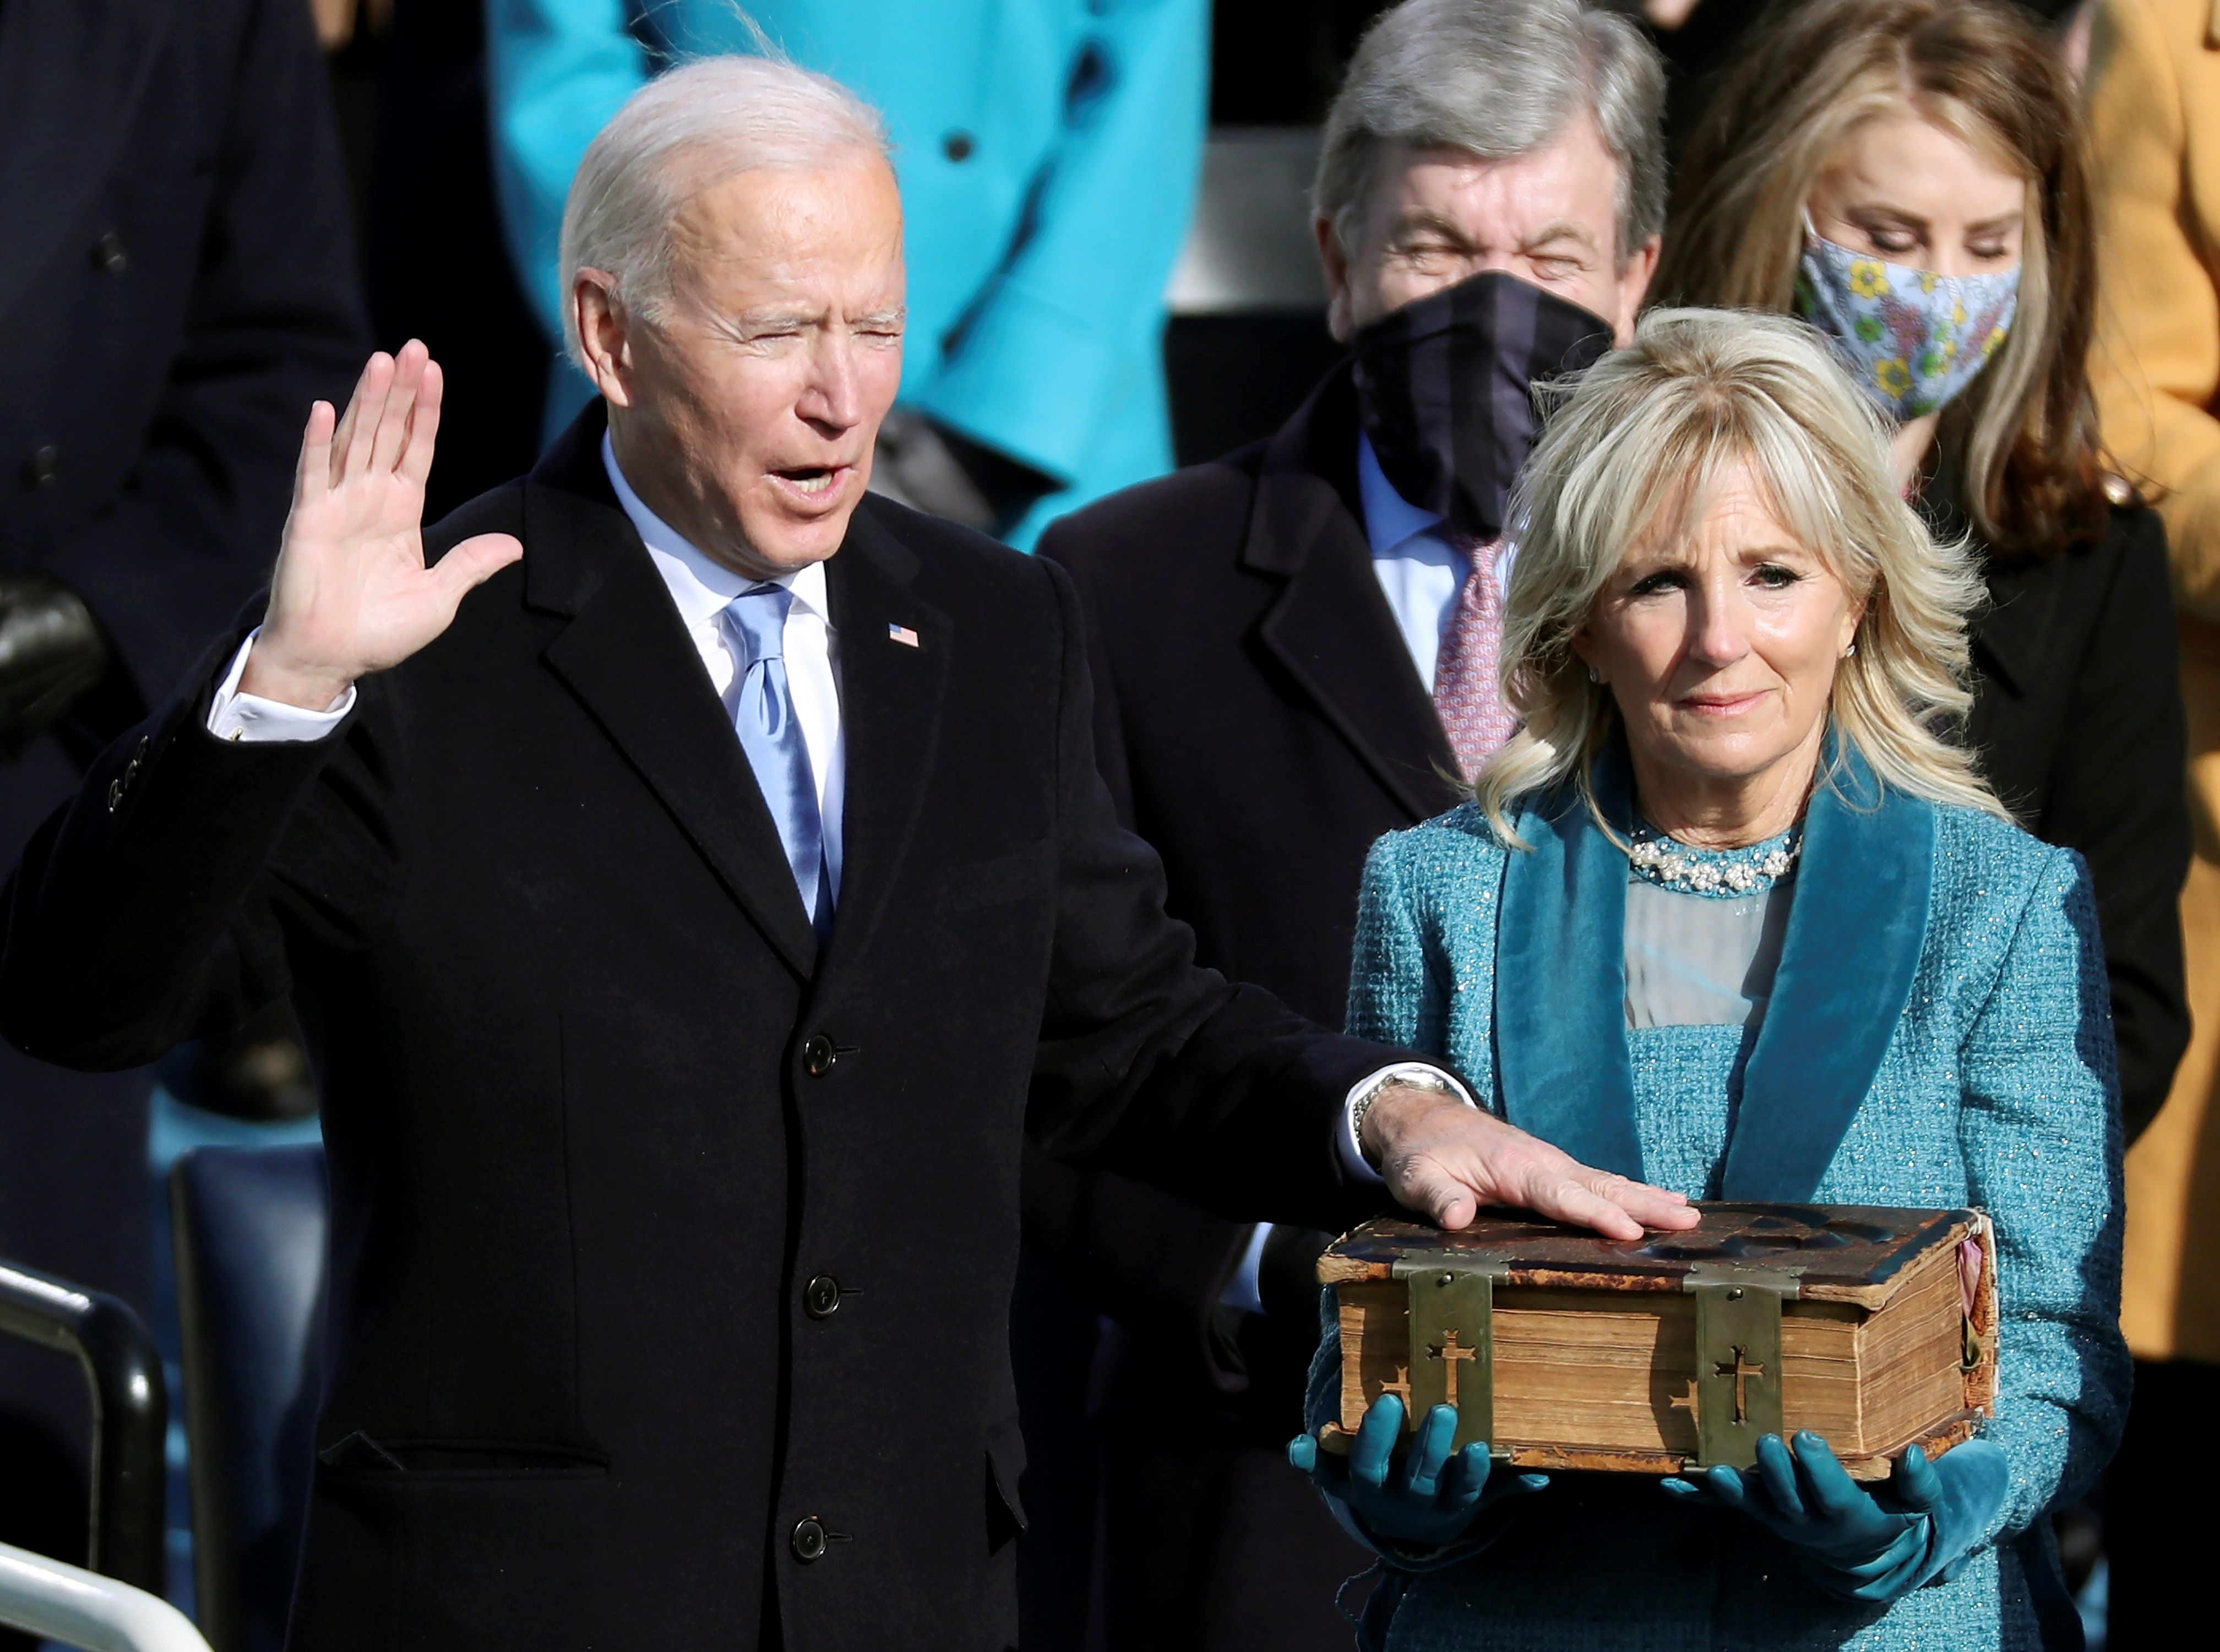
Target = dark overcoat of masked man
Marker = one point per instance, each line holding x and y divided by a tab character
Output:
1294	652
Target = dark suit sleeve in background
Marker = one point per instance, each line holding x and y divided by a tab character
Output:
274	323
2116	794
1152	1066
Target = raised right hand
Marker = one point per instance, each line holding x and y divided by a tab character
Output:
351	594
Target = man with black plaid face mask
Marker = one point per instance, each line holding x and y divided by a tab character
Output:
1294	651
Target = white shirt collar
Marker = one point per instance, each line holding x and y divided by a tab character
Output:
1391	521
702	588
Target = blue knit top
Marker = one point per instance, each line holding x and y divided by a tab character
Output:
1939	1035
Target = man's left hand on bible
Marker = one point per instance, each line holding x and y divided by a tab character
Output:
1446	1160
1426	1501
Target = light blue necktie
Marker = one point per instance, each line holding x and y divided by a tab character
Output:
763	715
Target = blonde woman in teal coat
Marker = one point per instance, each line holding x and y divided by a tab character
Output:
1731	915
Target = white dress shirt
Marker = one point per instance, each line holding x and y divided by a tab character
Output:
1419	569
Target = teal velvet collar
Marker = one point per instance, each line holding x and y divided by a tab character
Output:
1855	934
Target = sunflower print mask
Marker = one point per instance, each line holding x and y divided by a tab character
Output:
1910	338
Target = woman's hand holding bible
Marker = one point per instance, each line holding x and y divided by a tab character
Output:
1425	1502
1853	1543
351	594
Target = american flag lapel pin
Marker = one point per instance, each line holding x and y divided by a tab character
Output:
903	635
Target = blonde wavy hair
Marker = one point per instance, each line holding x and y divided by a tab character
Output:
1633	452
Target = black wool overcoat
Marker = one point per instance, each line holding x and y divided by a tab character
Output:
672	1257
1260	722
2078	724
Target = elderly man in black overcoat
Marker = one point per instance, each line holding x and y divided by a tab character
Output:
1294	653
692	921
177	282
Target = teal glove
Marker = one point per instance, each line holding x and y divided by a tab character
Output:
1853	1543
1430	1501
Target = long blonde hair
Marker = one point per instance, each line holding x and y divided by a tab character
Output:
1634	452
2023	434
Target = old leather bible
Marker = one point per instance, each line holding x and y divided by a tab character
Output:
1876	1328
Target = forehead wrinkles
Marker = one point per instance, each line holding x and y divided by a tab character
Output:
1665	513
782	220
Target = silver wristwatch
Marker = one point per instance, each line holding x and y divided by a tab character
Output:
1409	1078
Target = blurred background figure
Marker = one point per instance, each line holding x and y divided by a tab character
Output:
1303	631
177	284
411	78
1701	37
1047	155
1939	232
2155	121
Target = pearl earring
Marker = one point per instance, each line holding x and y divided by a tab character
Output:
1851	650
1595	676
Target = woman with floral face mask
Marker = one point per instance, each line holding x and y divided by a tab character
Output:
1908	177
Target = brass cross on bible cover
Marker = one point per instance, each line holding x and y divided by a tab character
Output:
1563	1350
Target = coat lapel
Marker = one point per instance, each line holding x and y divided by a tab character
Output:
890	702
1331	628
70	74
1561	978
1855	931
628	660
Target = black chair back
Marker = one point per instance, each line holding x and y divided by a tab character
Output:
250	1224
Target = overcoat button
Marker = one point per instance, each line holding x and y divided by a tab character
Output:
43	466
818	1054
959	145
821	1297
108	253
808	1540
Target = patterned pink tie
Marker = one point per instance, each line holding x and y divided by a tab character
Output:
1467	694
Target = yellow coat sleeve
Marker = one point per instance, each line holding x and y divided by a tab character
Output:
2154	123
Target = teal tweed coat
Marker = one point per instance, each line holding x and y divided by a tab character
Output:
1939	1035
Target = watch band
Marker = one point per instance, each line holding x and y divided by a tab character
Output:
1408	1078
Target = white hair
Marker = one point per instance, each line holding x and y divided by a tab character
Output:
685	132
1499	79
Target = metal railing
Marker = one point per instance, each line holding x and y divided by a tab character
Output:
82	1609
130	1410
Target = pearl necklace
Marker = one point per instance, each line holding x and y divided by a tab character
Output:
1673	865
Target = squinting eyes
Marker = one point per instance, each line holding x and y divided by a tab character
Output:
1771	575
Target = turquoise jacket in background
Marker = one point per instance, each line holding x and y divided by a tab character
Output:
1048	151
1939	1035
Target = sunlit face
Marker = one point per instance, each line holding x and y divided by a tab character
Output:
746	413
1903	189
1431	218
1720	646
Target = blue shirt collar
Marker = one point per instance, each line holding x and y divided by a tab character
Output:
1390	521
